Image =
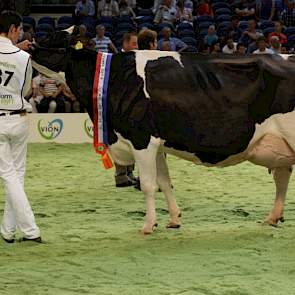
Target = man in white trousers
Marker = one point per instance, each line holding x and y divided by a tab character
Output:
15	83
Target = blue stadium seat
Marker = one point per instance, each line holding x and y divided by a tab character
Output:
266	24
225	24
243	25
267	31
161	26
65	20
107	19
289	31
145	12
125	27
146	25
44	28
186	33
222	18
61	26
108	27
291	39
204	18
204	25
29	20
190	41
124	19
185	26
47	20
219	5
40	35
221	11
144	19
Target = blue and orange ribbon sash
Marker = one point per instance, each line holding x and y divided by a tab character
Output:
100	91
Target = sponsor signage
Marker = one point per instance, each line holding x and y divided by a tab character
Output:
60	128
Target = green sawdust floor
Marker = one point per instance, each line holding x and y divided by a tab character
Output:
93	245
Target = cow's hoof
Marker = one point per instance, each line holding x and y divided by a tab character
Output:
173	225
148	230
274	221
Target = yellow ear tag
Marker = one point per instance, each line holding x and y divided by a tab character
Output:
79	45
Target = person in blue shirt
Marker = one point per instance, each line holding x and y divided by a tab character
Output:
175	43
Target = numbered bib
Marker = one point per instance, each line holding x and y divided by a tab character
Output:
13	67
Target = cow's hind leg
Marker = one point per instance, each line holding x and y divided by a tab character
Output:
281	177
164	183
146	162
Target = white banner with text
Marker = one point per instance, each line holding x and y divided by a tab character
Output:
60	128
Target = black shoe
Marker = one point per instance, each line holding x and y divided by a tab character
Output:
37	240
137	184
7	240
125	184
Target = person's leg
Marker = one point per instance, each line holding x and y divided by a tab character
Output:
33	104
60	104
13	175
43	106
68	107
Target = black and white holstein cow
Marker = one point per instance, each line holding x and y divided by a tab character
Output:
211	110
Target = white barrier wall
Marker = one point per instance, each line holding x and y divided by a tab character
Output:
60	128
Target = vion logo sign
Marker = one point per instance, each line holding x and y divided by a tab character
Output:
50	130
88	127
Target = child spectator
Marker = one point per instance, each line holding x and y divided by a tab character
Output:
262	49
125	9
211	36
278	33
175	43
102	42
230	46
107	8
166	13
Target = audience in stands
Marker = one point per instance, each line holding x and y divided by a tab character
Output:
107	8
166	13
175	44
206	26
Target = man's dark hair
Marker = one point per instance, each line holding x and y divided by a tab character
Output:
260	38
127	36
240	44
7	19
145	37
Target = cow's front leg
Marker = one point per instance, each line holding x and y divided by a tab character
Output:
164	182
281	177
146	162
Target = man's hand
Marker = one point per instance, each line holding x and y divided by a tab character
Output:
24	45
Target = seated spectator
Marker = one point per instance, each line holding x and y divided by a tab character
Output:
102	42
285	48
204	8
266	9
71	104
132	4
107	8
158	4
234	28
275	44
84	37
278	32
211	36
175	43
124	9
147	40
48	97
166	13
245	9
261	45
250	35
288	14
215	48
204	48
129	42
166	46
184	13
241	48
230	46
84	12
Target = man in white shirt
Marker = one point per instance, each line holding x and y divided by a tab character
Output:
15	83
230	47
262	49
